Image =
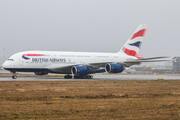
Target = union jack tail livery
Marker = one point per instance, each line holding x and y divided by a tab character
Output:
132	46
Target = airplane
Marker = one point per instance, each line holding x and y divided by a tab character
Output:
80	65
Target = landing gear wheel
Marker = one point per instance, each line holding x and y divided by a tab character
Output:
14	74
88	77
14	77
91	77
83	77
76	77
68	77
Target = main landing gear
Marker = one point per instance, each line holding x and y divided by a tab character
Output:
83	77
68	76
78	77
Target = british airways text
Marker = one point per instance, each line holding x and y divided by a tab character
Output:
48	60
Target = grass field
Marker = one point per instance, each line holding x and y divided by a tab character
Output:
131	99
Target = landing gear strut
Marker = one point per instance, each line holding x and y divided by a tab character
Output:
68	76
14	75
83	77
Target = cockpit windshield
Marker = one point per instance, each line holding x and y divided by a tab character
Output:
10	59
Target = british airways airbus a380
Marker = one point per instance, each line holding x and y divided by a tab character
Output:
79	64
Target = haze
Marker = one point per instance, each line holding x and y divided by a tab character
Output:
88	25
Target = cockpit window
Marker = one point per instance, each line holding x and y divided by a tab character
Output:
10	59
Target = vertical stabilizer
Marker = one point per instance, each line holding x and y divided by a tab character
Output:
132	46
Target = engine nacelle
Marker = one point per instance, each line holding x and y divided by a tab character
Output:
80	70
40	73
114	68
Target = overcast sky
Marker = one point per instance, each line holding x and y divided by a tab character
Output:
88	25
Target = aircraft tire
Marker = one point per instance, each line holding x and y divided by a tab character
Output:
14	77
68	77
91	77
88	77
75	77
83	77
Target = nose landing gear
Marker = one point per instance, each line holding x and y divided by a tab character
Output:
14	75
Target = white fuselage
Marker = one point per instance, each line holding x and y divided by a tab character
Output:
54	59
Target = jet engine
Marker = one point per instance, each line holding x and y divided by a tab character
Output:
80	70
114	68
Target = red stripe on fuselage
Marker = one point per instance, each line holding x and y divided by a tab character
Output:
138	34
33	54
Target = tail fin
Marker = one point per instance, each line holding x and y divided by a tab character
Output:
132	46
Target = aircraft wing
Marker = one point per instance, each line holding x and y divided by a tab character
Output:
138	61
129	62
66	69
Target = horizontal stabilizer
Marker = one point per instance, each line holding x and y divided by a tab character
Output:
139	61
152	59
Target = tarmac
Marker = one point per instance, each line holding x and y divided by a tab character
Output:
96	77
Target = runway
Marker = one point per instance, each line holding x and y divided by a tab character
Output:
97	77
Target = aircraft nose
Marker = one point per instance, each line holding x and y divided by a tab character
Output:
5	65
